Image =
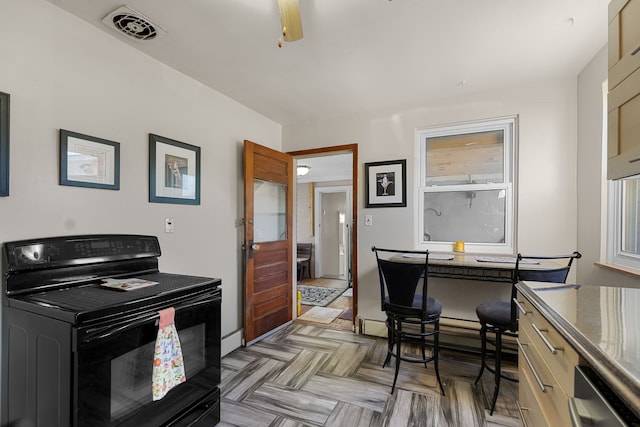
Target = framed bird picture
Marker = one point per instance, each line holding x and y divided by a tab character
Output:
385	184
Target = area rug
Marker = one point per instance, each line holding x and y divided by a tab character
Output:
318	295
321	314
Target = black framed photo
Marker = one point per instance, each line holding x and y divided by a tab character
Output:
87	161
385	184
4	144
174	171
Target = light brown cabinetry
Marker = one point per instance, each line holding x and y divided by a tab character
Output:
624	89
546	366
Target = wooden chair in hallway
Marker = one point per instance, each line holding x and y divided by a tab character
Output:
501	317
304	259
412	315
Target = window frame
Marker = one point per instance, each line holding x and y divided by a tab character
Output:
615	212
509	125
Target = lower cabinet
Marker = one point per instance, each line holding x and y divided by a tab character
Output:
546	366
530	408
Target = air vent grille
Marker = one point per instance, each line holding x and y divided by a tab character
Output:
133	24
135	27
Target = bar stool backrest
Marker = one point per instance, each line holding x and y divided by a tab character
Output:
556	275
400	280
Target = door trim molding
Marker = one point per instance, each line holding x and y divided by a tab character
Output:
353	149
318	191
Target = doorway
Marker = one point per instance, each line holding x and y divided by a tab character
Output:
333	231
326	216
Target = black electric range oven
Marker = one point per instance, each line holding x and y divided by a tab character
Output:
76	353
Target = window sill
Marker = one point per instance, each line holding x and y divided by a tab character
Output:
620	269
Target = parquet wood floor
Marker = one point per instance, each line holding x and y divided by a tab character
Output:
308	375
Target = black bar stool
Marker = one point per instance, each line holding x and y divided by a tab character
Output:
501	317
412	316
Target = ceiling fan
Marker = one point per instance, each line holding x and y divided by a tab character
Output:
290	20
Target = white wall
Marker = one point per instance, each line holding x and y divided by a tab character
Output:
303	202
547	170
590	173
63	73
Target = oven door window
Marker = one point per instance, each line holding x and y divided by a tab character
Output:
114	370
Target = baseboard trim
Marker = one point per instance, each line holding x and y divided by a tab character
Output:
231	342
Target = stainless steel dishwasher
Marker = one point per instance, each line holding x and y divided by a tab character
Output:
595	405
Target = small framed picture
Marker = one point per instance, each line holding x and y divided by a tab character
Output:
385	184
87	161
174	171
4	144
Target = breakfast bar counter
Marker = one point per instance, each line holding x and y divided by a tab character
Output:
480	277
602	324
482	267
467	266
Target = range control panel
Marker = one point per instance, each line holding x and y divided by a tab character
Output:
77	250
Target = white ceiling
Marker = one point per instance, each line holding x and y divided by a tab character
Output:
336	167
361	55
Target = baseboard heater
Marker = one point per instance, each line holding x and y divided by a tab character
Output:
458	334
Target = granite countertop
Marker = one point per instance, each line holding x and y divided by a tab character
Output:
602	324
475	266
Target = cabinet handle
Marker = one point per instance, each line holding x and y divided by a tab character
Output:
521	309
573	413
533	370
635	51
544	339
520	409
634	160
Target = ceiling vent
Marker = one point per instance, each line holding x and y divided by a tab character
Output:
133	24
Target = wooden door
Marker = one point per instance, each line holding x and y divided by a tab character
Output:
268	204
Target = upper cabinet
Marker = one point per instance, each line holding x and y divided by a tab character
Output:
624	89
624	40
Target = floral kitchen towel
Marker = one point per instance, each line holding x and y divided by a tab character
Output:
168	365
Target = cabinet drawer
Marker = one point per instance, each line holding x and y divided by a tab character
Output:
562	362
624	40
531	411
544	415
552	399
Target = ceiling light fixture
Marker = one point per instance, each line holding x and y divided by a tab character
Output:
302	170
290	20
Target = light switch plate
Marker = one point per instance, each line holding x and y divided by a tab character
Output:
368	220
168	225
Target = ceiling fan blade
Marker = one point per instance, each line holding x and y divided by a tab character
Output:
290	19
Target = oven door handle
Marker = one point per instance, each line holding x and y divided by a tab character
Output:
106	332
